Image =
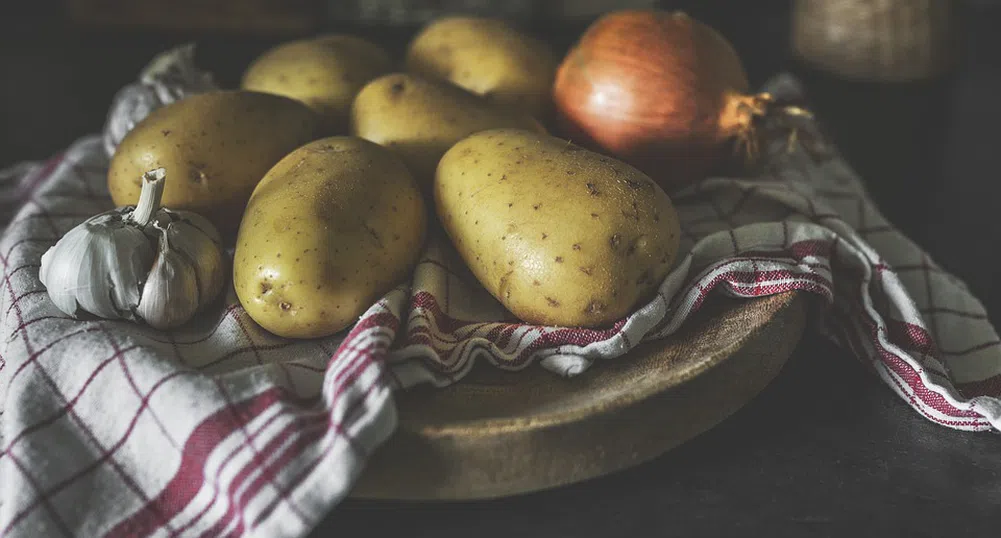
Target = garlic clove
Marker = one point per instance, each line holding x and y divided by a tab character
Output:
99	267
203	253
170	296
197	238
60	277
121	259
55	275
201	223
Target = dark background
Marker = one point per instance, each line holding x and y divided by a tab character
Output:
848	457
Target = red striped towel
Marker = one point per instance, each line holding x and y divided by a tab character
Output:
221	429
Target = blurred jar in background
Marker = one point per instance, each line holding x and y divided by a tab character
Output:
875	40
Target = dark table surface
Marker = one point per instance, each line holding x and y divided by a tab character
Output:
827	449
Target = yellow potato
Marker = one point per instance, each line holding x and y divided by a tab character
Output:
329	230
215	147
488	57
421	118
558	234
325	73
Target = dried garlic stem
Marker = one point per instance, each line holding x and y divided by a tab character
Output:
149	196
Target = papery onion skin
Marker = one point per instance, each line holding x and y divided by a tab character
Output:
659	90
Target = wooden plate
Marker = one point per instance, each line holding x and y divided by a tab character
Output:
498	433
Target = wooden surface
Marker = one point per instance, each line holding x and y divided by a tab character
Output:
496	434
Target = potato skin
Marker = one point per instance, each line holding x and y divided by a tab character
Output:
488	57
420	118
215	147
325	73
558	234
330	229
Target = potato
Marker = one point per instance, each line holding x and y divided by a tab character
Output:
488	57
328	231
325	73
215	147
558	234
421	118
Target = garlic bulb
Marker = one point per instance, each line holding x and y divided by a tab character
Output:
169	77
141	262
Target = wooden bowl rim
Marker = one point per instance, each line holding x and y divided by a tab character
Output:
654	384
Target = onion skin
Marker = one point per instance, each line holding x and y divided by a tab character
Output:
657	89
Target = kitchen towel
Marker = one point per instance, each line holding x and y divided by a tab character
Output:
218	428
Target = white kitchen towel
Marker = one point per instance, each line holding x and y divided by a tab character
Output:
220	429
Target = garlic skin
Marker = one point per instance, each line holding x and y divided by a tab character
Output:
142	263
169	77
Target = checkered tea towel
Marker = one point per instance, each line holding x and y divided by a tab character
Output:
221	429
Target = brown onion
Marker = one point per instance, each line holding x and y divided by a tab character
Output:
660	90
